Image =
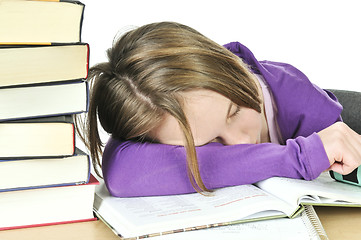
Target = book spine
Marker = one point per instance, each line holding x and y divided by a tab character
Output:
91	178
74	138
87	96
88	61
81	21
82	13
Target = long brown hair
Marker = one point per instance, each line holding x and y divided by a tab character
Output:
147	70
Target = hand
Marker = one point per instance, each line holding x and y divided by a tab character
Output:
342	146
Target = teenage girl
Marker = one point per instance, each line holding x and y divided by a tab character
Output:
186	114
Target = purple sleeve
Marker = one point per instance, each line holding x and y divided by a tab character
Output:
145	169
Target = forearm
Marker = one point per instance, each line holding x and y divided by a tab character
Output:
142	169
246	164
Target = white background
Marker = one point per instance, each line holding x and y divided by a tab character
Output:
320	37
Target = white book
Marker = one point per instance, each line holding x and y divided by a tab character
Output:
43	100
47	206
26	173
153	216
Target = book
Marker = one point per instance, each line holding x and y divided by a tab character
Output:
41	64
306	226
37	138
47	206
37	22
20	174
273	198
42	100
323	191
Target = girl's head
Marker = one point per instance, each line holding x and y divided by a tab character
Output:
154	73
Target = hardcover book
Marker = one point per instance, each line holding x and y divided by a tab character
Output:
25	173
42	100
40	22
47	206
21	65
37	139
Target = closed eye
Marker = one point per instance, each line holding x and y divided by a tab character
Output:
238	109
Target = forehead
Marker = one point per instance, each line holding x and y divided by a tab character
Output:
206	112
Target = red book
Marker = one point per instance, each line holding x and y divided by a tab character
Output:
47	206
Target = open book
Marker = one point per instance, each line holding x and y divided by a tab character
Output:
269	199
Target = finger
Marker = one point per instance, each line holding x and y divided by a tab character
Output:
337	167
346	164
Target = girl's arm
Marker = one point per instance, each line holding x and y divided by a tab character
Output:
145	169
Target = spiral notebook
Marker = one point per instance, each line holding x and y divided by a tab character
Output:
305	226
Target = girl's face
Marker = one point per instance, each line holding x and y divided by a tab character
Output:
214	118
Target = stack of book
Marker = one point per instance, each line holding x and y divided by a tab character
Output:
44	178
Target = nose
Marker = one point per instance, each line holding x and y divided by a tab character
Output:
233	138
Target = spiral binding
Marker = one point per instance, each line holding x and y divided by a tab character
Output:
314	223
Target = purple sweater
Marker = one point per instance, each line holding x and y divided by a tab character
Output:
145	169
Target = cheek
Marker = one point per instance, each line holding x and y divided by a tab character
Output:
252	121
205	131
